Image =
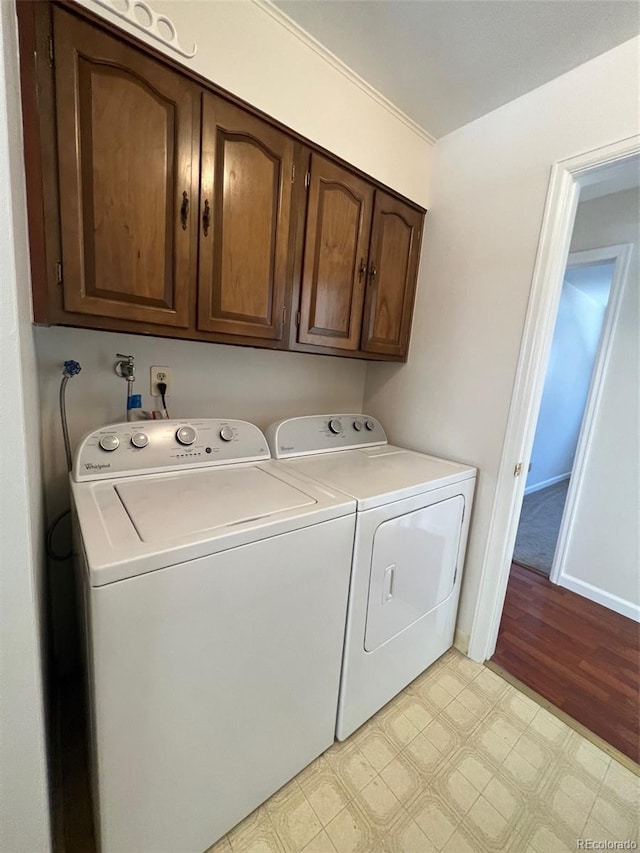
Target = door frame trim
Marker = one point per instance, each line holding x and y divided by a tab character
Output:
567	178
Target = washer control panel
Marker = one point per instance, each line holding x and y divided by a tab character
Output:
146	447
323	434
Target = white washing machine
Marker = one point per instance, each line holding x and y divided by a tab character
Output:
215	590
411	531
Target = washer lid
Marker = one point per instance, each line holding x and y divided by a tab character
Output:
181	505
133	525
380	475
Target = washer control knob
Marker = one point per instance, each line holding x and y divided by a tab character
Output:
139	439
370	425
226	433
186	435
109	442
357	425
335	426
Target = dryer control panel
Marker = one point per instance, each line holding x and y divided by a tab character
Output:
147	447
323	434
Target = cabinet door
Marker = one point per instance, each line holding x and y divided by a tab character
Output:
126	131
391	282
245	201
335	256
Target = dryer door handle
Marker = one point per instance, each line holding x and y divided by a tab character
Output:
388	583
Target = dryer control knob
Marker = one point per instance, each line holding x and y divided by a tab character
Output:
186	435
335	426
226	433
109	442
357	425
139	439
370	425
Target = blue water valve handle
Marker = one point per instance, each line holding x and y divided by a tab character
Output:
71	368
134	401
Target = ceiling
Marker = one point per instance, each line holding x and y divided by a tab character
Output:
447	62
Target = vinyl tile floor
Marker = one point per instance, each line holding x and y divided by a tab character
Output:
459	762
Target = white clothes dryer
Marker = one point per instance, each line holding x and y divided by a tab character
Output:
214	588
412	522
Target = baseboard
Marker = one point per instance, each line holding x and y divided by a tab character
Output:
461	642
600	596
538	487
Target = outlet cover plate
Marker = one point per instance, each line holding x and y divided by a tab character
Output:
160	374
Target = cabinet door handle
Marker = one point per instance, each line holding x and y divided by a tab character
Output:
206	217
373	272
362	269
184	210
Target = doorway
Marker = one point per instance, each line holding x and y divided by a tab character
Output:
568	179
573	637
574	349
556	637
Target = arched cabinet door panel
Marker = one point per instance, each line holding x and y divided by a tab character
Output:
391	282
245	212
127	135
335	256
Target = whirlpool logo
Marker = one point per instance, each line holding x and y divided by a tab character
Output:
96	466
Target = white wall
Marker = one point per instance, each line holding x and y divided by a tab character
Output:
488	194
566	385
24	807
209	380
257	53
603	552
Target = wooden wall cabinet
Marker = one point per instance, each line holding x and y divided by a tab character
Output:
394	253
127	133
245	199
360	265
338	222
159	205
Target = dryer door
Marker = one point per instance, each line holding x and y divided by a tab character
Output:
413	568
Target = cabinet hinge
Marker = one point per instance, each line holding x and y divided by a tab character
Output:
284	314
293	173
307	180
297	318
58	272
517	470
51	53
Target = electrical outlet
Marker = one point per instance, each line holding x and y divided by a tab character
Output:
160	374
